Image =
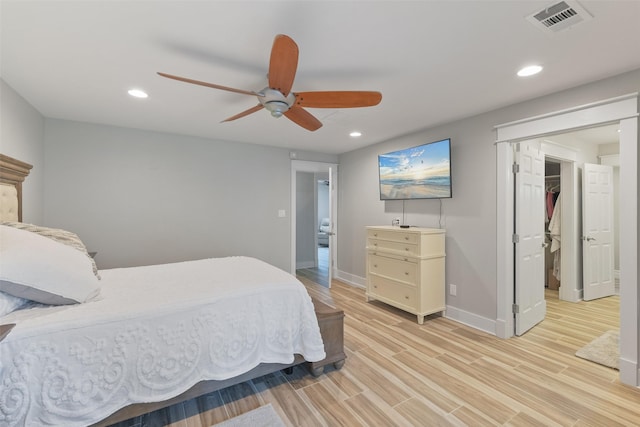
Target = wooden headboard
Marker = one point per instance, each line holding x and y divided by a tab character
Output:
12	173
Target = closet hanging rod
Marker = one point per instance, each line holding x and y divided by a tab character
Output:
552	177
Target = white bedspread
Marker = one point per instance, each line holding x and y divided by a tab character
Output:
152	333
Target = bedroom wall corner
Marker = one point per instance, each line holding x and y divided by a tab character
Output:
22	137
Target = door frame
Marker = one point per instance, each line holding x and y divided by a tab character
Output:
316	167
622	110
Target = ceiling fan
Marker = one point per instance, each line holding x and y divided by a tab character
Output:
278	99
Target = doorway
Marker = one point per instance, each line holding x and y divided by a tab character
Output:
570	248
593	206
622	110
313	220
313	226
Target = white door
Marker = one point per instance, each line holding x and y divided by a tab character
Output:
333	214
597	231
530	306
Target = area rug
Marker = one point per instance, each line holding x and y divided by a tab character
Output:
604	350
264	416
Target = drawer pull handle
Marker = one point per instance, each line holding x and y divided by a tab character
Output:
375	265
406	297
406	237
406	259
375	234
406	273
406	249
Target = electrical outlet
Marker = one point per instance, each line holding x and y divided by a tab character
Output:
395	221
453	290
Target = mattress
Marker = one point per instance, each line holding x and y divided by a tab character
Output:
152	333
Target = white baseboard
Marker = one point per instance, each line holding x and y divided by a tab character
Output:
350	279
629	372
305	264
504	329
471	319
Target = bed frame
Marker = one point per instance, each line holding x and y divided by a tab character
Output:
13	173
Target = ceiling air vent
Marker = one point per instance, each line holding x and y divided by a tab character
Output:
559	16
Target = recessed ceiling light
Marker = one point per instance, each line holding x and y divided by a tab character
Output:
355	134
529	70
138	93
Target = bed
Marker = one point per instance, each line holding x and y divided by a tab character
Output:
97	347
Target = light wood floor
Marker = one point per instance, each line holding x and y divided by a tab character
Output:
442	373
319	274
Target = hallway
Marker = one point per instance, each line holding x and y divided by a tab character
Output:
318	274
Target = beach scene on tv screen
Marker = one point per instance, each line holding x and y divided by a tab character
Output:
420	172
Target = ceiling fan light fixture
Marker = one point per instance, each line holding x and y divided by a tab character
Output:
275	102
276	108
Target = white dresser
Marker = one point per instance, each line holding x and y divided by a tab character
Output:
405	268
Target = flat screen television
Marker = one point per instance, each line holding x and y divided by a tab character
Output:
422	172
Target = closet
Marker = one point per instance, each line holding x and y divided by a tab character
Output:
552	224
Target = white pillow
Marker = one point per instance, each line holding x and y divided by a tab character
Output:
57	234
43	270
9	303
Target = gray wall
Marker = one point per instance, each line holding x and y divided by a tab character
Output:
139	197
21	137
470	216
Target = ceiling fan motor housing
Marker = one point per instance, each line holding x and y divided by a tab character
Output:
274	101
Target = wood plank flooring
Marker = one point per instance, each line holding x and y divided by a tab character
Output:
319	274
442	373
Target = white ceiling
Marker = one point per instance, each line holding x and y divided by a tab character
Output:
433	61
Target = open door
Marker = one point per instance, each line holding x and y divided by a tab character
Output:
597	231
333	197
529	305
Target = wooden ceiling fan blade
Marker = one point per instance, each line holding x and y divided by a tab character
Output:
303	118
283	64
338	99
211	85
245	113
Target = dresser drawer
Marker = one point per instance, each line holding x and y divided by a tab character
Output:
395	247
402	296
401	270
393	236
